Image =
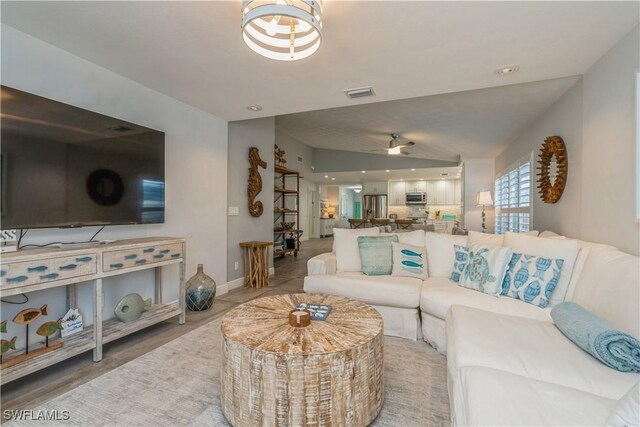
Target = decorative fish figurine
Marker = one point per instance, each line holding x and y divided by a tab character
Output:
7	345
3	327
131	307
49	328
28	315
410	253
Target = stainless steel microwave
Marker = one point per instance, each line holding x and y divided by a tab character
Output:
416	198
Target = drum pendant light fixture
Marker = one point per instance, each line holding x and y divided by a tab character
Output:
284	30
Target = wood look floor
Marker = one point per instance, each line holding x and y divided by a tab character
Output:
32	390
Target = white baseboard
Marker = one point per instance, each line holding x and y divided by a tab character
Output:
237	283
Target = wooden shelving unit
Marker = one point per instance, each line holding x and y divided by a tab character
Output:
286	209
93	262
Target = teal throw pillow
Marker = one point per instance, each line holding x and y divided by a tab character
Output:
376	254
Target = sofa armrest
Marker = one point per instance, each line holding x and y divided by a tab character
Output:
322	264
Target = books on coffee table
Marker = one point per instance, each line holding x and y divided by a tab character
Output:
318	311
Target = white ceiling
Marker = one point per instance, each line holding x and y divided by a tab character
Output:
471	124
193	51
357	177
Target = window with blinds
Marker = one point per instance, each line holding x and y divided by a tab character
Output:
513	197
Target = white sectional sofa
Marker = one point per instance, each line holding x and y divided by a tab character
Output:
507	362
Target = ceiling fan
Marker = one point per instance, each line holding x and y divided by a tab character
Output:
395	147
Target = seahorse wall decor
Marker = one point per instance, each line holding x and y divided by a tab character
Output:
254	186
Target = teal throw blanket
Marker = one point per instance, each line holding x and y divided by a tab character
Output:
614	348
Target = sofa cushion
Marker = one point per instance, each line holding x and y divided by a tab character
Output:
564	249
439	294
627	410
414	238
530	348
485	239
403	292
440	253
609	287
496	398
345	242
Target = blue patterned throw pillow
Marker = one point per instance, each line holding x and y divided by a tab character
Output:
532	279
461	260
485	269
376	254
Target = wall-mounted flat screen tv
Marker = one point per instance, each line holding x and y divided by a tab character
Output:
63	166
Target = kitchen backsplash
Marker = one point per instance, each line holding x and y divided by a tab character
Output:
411	211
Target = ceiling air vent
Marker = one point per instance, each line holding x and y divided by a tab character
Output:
359	92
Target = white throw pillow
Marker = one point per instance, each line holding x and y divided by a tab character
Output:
564	249
415	238
485	269
346	247
486	239
409	261
627	409
440	252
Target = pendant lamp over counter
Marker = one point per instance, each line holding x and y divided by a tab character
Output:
284	30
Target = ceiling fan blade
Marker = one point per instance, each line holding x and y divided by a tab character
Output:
407	144
406	153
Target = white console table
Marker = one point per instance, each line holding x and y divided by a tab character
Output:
32	270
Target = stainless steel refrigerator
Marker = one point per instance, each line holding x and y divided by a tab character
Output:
374	205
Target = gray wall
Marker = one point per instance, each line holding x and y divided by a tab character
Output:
196	166
597	119
346	161
609	144
243	135
563	118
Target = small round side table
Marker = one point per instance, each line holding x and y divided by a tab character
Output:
256	263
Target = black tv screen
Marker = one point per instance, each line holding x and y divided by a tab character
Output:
63	166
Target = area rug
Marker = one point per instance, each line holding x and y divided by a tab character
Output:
178	384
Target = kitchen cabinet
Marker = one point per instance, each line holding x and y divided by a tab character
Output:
444	192
432	192
381	187
397	190
457	190
415	186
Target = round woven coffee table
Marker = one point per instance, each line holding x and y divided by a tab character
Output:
328	373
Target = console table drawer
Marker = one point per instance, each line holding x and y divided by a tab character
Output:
47	270
118	260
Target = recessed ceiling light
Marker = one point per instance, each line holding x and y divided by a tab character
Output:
326	176
509	69
254	108
364	171
333	179
413	170
387	171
